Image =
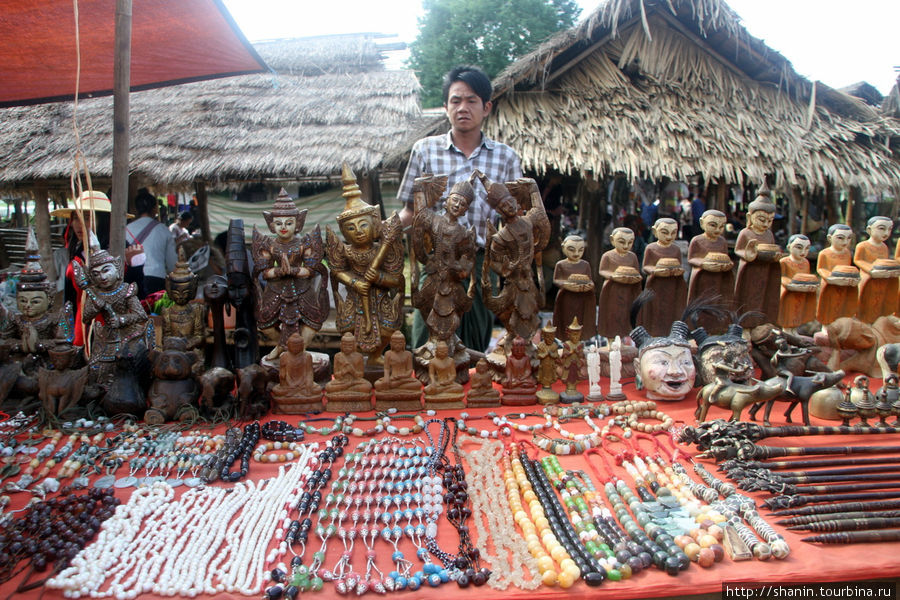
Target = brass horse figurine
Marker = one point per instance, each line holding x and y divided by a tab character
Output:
736	396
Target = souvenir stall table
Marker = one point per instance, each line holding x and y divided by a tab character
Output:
805	563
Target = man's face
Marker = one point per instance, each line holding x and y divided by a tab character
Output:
32	304
465	109
880	230
840	239
667	372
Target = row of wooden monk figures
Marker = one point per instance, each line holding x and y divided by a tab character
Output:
780	289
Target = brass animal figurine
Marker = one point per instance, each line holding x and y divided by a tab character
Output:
800	389
736	396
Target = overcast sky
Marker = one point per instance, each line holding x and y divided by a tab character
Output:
836	42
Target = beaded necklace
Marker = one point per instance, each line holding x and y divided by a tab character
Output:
242	452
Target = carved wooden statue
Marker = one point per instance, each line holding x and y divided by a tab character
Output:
482	393
572	276
215	295
878	272
61	387
519	386
838	293
443	391
398	388
122	326
548	363
712	275
573	363
619	267
297	391
446	249
294	298
241	297
758	285
664	363
511	252
185	319
366	273
173	393
798	285
349	390
665	276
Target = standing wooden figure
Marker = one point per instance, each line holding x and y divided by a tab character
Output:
878	272
619	267
576	298
548	361
838	289
573	363
665	276
798	285
712	275
758	286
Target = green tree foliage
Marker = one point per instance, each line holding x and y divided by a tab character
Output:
487	33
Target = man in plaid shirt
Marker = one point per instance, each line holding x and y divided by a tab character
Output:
456	154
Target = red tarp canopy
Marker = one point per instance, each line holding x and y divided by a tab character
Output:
172	41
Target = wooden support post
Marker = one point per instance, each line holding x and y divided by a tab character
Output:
202	215
721	196
42	230
805	208
121	137
792	209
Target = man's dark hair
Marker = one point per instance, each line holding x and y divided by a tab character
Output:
186	216
144	202
471	76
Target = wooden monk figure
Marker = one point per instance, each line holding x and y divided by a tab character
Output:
348	391
296	391
798	285
366	272
758	285
665	276
878	272
620	268
519	387
295	296
576	298
482	393
443	391
838	293
398	388
712	275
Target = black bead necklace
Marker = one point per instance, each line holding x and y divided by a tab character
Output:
243	451
281	431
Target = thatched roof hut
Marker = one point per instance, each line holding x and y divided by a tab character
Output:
673	88
327	100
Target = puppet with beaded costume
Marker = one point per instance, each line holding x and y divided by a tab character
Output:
294	298
185	319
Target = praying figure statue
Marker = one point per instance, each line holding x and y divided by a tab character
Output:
296	391
185	319
366	273
758	284
573	363
349	390
878	272
548	362
294	298
122	326
512	253
443	391
398	388
447	250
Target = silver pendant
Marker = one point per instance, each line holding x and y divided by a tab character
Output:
104	482
148	481
125	482
81	482
193	482
174	482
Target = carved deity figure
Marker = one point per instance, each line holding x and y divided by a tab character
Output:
519	386
185	319
664	363
758	285
349	390
548	362
711	274
615	371
878	272
447	251
573	363
665	276
572	276
512	252
122	326
296	390
838	294
482	392
398	388
366	272
443	391
619	267
798	285
293	297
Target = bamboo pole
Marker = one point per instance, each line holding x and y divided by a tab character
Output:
121	134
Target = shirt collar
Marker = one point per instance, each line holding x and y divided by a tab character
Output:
486	142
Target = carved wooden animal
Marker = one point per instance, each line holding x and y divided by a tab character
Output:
60	389
736	396
801	388
216	385
254	385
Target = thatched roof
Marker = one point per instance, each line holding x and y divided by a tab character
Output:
327	100
678	87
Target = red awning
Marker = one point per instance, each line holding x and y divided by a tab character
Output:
173	41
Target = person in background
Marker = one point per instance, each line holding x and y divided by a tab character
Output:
698	207
180	228
157	242
456	154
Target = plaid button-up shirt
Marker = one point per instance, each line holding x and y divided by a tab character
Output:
437	155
